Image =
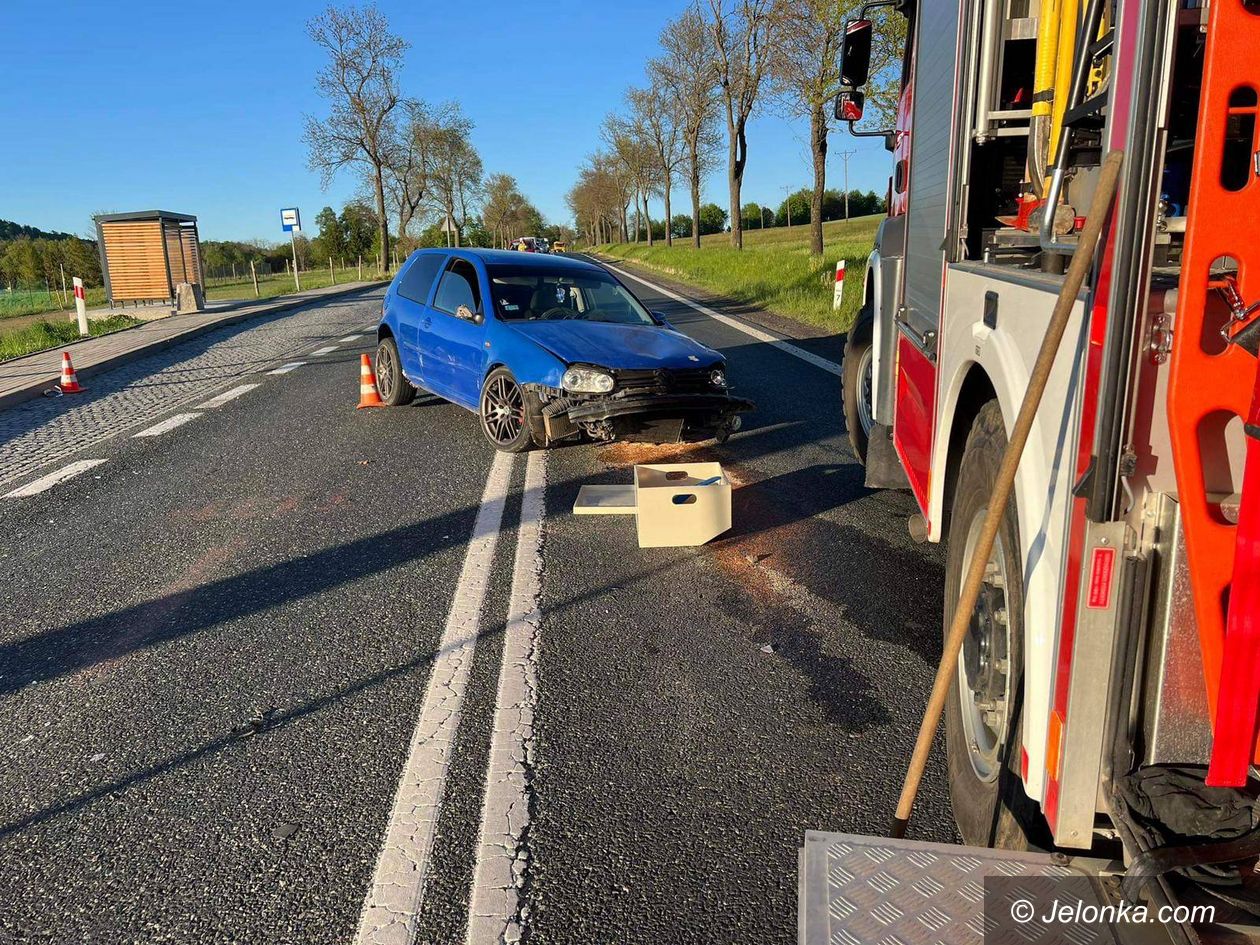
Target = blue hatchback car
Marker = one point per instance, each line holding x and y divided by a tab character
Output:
545	348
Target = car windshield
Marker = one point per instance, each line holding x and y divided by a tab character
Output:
531	293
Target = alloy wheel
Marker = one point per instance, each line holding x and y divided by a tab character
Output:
385	379
503	410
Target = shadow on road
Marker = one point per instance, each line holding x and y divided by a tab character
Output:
80	646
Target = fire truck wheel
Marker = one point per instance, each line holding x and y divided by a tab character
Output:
857	387
983	717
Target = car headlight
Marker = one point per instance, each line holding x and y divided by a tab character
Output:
581	380
717	377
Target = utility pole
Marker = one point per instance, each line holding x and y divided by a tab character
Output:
844	156
787	202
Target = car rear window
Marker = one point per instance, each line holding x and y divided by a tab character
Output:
417	279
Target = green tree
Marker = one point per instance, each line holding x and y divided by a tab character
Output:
21	262
681	226
751	216
800	203
712	219
359	229
331	241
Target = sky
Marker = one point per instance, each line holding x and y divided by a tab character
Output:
198	108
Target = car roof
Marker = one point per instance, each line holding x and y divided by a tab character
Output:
515	258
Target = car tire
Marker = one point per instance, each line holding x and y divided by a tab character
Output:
391	383
984	710
857	384
508	412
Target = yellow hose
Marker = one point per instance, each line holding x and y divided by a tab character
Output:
1043	94
1047	47
1069	17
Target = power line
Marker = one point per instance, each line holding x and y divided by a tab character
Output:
844	156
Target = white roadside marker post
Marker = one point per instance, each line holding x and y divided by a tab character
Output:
253	274
838	293
80	305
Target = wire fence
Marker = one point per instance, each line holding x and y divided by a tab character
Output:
24	298
333	270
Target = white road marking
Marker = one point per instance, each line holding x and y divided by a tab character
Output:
47	482
325	350
227	395
830	366
167	425
392	905
349	338
495	906
286	368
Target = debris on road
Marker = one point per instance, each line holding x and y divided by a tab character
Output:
284	831
674	504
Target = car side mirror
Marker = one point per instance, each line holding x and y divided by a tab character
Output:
660	319
855	53
468	315
850	104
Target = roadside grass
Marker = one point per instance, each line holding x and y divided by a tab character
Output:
774	270
53	334
61	327
21	302
272	286
16	302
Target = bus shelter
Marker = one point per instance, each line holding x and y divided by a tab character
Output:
146	255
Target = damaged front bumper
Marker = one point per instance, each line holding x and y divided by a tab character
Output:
656	418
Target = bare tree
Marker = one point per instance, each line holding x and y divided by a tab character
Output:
658	127
454	168
360	84
406	165
632	151
686	70
742	37
503	205
805	76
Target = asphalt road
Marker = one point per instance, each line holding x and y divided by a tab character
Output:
240	652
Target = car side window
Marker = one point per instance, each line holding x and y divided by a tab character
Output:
458	287
418	279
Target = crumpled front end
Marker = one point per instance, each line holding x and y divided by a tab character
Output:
681	405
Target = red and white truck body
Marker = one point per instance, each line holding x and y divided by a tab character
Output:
1130	491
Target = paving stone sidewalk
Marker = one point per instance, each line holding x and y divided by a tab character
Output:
27	377
165	377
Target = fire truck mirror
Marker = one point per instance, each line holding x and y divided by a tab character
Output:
850	104
855	55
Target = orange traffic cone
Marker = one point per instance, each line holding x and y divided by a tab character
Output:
69	382
368	396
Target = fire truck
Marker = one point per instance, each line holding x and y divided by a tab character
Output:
1102	720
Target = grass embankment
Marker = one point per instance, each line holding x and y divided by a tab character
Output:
774	269
53	334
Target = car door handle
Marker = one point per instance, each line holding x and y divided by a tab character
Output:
427	324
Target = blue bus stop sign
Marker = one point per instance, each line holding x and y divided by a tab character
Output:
291	220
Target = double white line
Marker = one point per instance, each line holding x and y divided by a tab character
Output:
392	906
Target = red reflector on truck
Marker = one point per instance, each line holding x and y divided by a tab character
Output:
1101	568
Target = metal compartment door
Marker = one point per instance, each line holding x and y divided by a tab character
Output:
933	131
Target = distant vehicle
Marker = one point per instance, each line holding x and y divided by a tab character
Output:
546	350
526	244
560	246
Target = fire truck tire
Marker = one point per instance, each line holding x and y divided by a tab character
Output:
856	387
983	748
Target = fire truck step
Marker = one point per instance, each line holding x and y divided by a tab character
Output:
872	890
